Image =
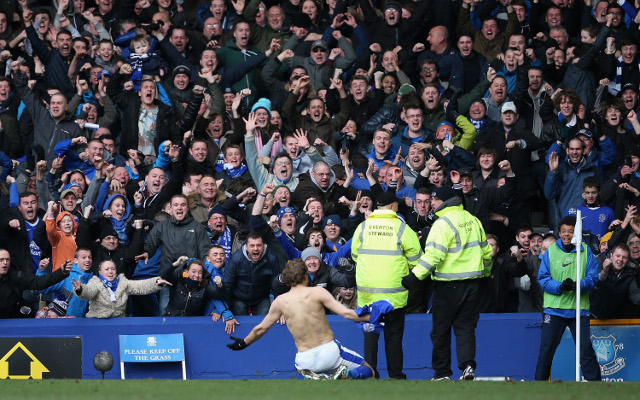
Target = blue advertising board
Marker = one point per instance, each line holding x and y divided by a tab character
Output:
152	348
616	347
507	345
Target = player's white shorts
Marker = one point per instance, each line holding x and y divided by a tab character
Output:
327	357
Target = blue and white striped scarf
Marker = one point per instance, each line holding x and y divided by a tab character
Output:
616	86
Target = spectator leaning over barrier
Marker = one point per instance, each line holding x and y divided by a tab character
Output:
616	291
81	271
248	277
108	292
190	289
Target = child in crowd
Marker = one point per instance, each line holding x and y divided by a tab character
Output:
56	309
105	56
346	296
595	216
61	232
144	62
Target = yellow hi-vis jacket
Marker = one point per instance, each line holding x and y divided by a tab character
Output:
456	248
384	248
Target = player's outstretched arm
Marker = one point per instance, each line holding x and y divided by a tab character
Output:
334	305
256	333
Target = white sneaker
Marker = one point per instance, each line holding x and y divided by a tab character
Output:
341	373
314	376
441	378
467	374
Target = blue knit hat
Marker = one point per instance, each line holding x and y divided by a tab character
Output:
262	103
218	210
332	219
59	305
443	193
283	210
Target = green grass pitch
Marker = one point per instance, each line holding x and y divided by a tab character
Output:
308	390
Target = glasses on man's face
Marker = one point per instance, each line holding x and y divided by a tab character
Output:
212	26
637	243
318	50
617	13
430	69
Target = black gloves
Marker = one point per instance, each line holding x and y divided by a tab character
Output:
238	344
347	266
568	285
409	280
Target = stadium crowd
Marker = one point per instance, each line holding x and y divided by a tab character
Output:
168	157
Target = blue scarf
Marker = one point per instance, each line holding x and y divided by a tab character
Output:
120	226
5	104
136	60
111	286
225	241
220	161
213	271
564	129
478	124
616	85
235	172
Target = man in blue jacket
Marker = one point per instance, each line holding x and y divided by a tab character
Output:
565	179
248	277
80	271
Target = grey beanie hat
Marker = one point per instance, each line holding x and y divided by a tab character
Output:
310	252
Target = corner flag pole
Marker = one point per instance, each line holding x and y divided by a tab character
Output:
578	243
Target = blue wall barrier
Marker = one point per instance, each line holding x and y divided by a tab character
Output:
507	345
617	350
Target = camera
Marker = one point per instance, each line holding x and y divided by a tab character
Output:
155	26
628	161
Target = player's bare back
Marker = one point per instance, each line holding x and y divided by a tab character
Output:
303	309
